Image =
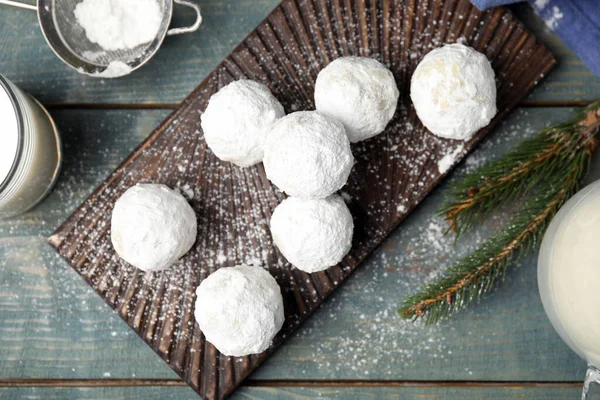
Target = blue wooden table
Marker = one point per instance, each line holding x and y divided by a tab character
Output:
58	340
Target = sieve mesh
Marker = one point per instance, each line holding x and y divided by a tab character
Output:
73	39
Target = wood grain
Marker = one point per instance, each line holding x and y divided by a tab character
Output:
283	383
392	175
226	23
269	393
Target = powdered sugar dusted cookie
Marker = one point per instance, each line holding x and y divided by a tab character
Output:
239	309
313	235
237	119
307	155
152	226
454	91
360	92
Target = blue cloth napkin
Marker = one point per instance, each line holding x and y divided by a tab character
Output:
577	22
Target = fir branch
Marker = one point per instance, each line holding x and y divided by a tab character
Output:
500	182
564	154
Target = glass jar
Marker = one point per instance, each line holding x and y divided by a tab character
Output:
30	151
569	277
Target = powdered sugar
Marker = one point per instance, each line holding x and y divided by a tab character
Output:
359	92
313	235
454	91
119	24
115	69
237	119
308	155
372	340
553	18
152	226
449	159
239	309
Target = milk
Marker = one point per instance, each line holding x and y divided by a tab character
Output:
9	134
569	274
30	151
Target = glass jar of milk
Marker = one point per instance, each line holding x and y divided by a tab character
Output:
30	151
569	276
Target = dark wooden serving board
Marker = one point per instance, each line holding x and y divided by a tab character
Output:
393	173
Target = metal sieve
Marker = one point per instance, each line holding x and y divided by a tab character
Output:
68	40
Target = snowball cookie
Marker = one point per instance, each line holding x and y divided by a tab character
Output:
360	92
307	155
313	235
454	91
239	309
152	226
236	121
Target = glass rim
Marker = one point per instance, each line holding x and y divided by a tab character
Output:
6	86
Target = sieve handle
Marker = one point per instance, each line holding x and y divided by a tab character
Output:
186	29
19	4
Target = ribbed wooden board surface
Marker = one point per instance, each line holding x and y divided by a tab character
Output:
393	173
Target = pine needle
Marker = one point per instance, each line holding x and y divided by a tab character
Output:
522	169
548	168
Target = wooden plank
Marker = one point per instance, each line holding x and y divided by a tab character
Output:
184	61
48	312
270	393
49	318
391	175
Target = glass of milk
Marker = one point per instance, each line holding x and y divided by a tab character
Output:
30	151
569	277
